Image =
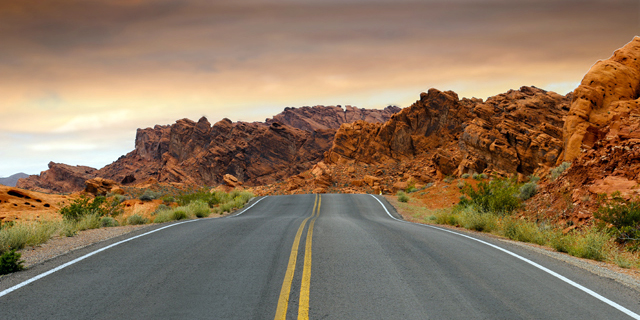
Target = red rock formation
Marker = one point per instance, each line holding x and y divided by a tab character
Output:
517	131
321	117
608	92
201	154
60	178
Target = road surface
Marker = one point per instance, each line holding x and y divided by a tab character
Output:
311	256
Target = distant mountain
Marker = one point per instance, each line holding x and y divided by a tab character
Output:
13	179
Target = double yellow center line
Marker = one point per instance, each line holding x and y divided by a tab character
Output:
283	301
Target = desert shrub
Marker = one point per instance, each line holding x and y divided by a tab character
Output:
119	198
475	176
622	218
448	179
27	234
476	220
557	171
460	184
84	206
168	199
200	208
483	176
465	176
560	242
91	221
497	196
590	244
160	208
107	222
10	262
149	195
137	219
179	213
163	216
522	230
528	190
402	196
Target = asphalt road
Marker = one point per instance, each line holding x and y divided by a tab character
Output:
357	262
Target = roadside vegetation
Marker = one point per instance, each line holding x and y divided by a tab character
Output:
490	207
91	213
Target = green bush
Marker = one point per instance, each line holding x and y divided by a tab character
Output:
528	190
557	171
590	244
137	219
465	176
84	206
27	234
179	213
560	242
497	196
524	231
10	262
149	195
623	217
480	221
91	221
107	222
199	208
402	196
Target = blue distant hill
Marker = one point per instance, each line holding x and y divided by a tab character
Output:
13	179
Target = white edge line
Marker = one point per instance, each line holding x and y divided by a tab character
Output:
241	212
60	267
553	273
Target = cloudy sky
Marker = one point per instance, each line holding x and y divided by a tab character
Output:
77	77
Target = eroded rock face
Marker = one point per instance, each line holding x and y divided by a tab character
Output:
331	117
517	131
608	93
202	154
429	123
60	178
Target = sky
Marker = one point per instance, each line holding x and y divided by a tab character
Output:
78	77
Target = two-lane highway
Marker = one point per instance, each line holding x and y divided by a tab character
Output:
321	257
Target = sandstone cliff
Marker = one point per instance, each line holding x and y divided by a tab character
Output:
331	117
607	94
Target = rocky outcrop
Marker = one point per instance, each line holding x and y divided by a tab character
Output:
202	154
429	123
100	186
60	178
321	117
608	93
518	131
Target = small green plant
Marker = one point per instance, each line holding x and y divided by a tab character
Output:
475	176
179	214
10	262
137	219
497	196
480	221
199	208
402	196
465	176
149	195
448	179
622	216
557	171
84	206
590	244
528	190
524	231
560	242
107	222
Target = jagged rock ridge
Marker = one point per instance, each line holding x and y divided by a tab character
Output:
201	154
518	131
